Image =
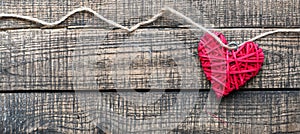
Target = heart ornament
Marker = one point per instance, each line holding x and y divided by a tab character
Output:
228	70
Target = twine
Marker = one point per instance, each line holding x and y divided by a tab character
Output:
133	28
230	46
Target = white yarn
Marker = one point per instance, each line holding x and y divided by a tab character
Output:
133	28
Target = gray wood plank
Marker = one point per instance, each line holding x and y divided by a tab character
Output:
244	112
227	13
65	59
84	59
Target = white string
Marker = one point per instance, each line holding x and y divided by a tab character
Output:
211	99
189	20
272	32
133	28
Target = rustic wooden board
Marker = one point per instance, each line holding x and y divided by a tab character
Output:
38	60
237	13
57	59
244	112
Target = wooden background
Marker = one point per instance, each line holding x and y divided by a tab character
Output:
38	66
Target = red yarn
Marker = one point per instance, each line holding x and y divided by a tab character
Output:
228	70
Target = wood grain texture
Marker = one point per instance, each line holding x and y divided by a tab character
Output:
224	13
255	112
84	53
58	59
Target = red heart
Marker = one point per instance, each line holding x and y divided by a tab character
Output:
228	70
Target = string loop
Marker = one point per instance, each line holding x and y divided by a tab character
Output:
233	44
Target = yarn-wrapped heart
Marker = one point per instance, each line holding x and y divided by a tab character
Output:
228	70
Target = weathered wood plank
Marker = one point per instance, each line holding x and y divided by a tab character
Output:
225	13
251	13
83	59
245	112
58	59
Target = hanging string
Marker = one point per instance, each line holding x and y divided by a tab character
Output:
154	18
212	99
